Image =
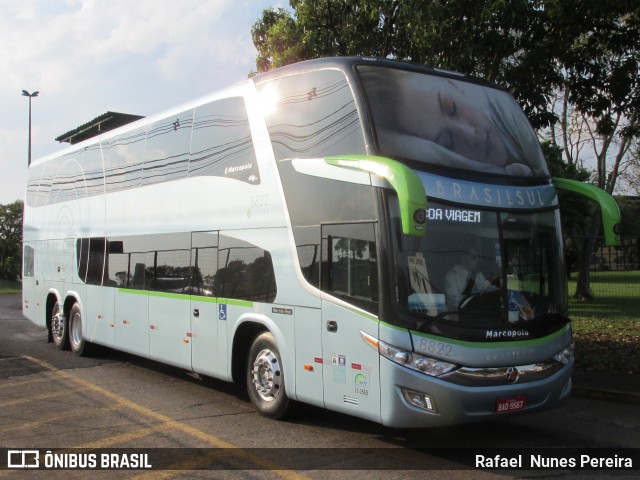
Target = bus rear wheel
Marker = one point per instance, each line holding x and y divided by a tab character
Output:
78	344
265	378
59	326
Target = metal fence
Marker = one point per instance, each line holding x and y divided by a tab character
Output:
625	257
614	281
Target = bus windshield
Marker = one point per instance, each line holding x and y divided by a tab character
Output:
483	269
442	122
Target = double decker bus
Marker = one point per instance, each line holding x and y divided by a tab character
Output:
370	236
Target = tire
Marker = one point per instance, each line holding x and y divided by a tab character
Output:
59	327
265	378
78	344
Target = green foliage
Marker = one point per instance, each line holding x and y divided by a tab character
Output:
558	167
11	240
278	40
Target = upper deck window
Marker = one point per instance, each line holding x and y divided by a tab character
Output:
448	123
312	115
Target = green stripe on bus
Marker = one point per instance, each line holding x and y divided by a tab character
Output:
182	296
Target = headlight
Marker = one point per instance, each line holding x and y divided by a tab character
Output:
419	363
565	355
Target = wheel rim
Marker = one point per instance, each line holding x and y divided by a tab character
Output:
267	375
57	324
75	330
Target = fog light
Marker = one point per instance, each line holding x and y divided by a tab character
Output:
419	399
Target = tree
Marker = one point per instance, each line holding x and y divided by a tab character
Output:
599	102
11	240
584	52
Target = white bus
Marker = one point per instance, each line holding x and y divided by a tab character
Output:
374	237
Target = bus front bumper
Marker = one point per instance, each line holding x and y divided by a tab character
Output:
417	400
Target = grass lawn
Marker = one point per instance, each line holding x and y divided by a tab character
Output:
607	330
7	286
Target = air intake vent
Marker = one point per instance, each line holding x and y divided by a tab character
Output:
350	400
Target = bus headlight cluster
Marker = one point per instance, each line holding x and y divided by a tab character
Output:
565	355
419	363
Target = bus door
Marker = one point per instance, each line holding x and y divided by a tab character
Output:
349	273
208	315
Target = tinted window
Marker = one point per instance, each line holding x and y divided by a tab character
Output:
171	271
349	262
314	201
90	253
64	175
221	143
89	179
33	196
181	263
119	273
245	272
478	268
312	115
204	263
215	139
167	149
123	157
151	262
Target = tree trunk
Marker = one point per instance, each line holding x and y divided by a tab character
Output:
585	247
584	250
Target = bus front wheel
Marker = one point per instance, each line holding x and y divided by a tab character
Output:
265	378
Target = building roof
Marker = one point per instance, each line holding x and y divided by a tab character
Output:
103	123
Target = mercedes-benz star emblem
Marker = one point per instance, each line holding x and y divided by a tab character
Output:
512	375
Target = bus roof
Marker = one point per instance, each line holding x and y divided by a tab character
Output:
348	63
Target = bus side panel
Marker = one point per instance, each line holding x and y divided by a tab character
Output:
170	329
352	372
132	321
309	364
99	315
209	337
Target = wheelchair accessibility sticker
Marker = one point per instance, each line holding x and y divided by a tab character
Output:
222	312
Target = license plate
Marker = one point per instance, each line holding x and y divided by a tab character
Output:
511	404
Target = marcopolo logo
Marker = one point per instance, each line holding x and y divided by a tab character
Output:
507	333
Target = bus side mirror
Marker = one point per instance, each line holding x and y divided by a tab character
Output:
608	206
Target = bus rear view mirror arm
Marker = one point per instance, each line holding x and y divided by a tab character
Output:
408	186
608	207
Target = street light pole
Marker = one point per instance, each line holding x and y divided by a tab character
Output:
30	95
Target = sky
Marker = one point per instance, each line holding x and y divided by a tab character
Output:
87	57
